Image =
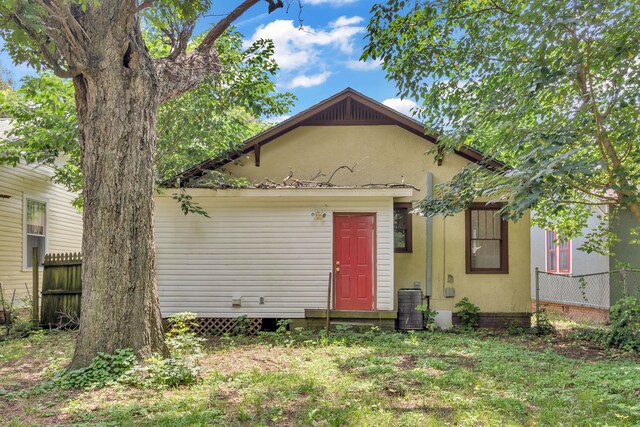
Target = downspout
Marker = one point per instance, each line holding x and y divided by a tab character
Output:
429	234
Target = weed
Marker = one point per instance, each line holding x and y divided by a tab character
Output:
543	325
181	340
103	369
241	326
625	325
467	313
283	326
397	379
183	367
344	328
513	327
428	316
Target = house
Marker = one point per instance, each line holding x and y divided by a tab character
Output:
331	192
585	285
34	211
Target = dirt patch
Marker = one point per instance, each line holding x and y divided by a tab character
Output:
566	345
407	363
43	413
25	372
462	360
248	357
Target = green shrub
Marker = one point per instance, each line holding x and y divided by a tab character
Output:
180	339
103	369
625	325
543	325
467	313
182	323
428	317
182	367
343	328
158	372
283	326
242	325
513	327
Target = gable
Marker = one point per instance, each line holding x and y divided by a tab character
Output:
347	108
348	111
344	156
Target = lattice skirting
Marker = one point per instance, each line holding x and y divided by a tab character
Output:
227	325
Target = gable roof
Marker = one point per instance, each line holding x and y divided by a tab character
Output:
346	108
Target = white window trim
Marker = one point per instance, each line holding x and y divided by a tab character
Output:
26	197
557	255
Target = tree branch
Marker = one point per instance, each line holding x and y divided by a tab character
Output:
71	39
223	24
182	72
142	6
52	60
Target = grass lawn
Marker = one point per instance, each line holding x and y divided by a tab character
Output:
359	380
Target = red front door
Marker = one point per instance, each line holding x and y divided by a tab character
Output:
353	261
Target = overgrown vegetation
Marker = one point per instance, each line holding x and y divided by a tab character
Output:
182	367
548	87
625	325
542	324
428	317
467	313
18	322
299	377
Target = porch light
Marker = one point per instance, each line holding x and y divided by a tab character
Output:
317	215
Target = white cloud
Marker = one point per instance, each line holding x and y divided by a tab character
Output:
362	65
297	48
278	119
344	21
309	81
329	2
404	106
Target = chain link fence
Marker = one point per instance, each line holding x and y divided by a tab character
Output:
585	298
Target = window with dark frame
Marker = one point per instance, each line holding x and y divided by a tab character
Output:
35	230
487	244
402	227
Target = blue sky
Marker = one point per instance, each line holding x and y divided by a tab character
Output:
317	60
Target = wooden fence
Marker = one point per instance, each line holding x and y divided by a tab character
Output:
61	289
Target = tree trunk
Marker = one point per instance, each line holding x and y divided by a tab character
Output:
117	101
635	210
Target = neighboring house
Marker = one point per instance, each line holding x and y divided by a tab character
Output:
589	285
267	251
34	211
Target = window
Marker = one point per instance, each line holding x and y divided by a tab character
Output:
35	230
487	248
402	227
558	254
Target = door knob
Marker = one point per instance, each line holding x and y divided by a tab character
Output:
337	268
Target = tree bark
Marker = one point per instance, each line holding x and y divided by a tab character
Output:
117	100
634	208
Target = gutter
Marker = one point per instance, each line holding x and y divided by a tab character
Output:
429	240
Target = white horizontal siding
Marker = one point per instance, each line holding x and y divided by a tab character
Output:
254	247
64	222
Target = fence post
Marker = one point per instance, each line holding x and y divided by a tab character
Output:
625	291
537	297
35	303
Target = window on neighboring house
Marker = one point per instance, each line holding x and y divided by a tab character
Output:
487	244
558	254
35	230
402	227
